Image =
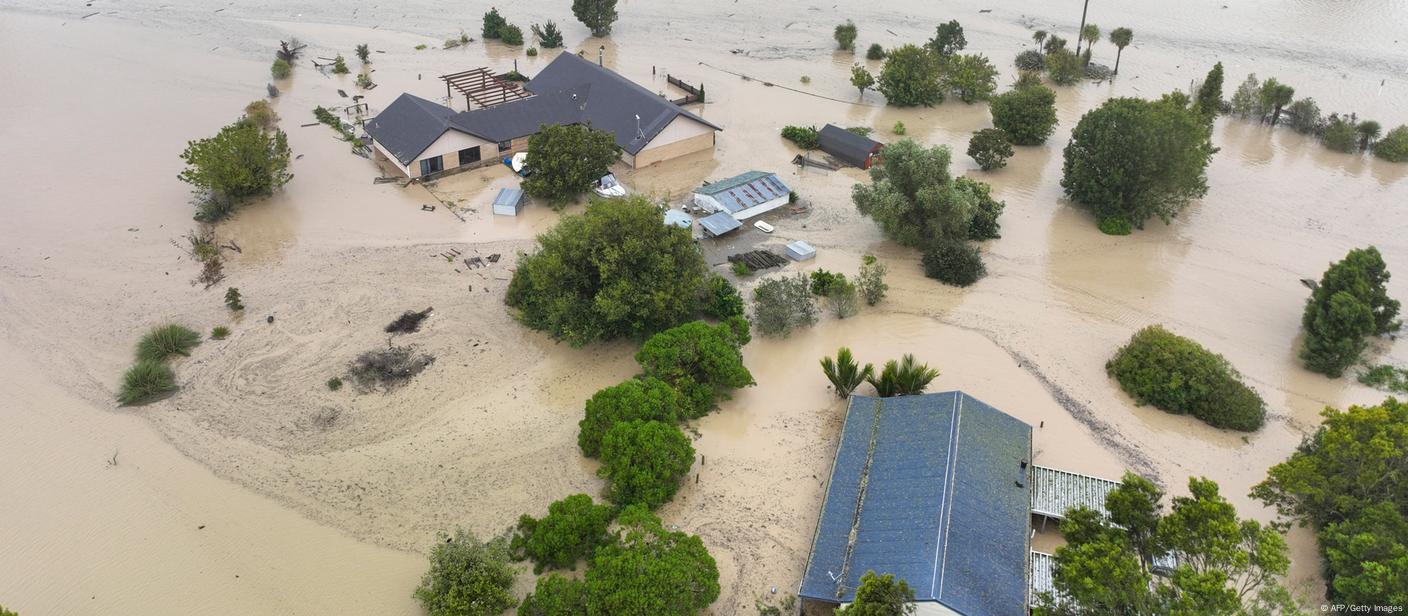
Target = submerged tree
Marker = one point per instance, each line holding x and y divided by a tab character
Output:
948	39
861	79
596	15
845	35
566	159
871	280
643	462
783	304
1090	33
1209	101
240	163
1027	114
844	373
702	362
970	77
1122	37
1393	147
467	577
910	77
990	148
1274	97
549	36
647	569
1368	131
905	377
1350	303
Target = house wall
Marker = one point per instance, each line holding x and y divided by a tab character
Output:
761	208
681	136
448	146
382	154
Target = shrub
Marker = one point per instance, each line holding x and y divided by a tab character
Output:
261	114
648	398
806	79
1030	60
875	52
910	77
573	528
1178	375
511	35
871	280
1386	377
983	225
954	263
1305	116
549	36
845	35
365	82
990	148
339	65
1340	135
1026	114
643	462
804	136
566	160
741	269
166	340
280	69
421	47
843	299
1393	147
219	332
493	24
702	362
145	380
783	304
240	162
364	53
898	128
467	577
555	595
532	51
1115	225
970	77
822	282
844	373
650	570
905	377
1064	67
233	300
1350	303
721	300
613	271
335	383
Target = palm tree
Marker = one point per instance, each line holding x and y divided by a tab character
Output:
1276	95
845	375
1039	36
1368	132
1053	43
1090	34
903	378
1121	37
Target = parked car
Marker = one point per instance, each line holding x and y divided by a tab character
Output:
762	226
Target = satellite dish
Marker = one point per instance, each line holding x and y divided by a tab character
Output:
518	160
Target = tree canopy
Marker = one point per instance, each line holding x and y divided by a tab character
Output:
1209	101
1135	159
1178	375
845	35
970	77
881	595
1393	147
646	398
555	595
1350	303
1027	114
782	304
467	577
990	148
644	461
913	197
910	77
615	270
596	15
573	528
948	39
566	159
650	571
241	162
702	362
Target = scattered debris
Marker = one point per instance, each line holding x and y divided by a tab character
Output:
807	161
427	208
494	258
269	319
388	368
273	91
325	418
385	180
88	15
341	93
408	322
759	259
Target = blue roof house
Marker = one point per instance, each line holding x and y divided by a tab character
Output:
933	489
743	196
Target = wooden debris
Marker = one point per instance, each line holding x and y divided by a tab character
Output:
759	259
307	125
806	161
89	15
427	208
385	180
341	93
494	258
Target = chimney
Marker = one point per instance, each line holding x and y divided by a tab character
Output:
601	56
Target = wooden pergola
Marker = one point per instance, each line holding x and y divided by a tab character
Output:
481	87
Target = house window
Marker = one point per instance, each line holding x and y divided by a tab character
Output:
505	146
469	155
431	165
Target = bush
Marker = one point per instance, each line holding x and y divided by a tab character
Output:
566	160
1178	375
467	577
910	77
166	340
1115	225
1064	67
871	280
1393	147
954	263
906	377
219	332
643	462
493	24
280	69
875	52
823	281
741	269
880	595
804	136
1026	114
233	300
721	300
511	35
532	52
1030	60
335	383
364	53
650	570
145	380
783	304
555	595
898	128
1340	135
573	528
983	225
845	35
990	148
261	114
339	65
844	373
613	271
648	398
364	81
1350	303
1305	116
702	362
239	163
1386	377
549	36
843	299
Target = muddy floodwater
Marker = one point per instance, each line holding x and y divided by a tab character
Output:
255	489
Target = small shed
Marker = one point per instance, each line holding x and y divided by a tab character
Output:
679	219
509	202
718	224
848	147
744	195
800	251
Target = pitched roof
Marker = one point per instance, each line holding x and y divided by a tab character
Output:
522	118
845	145
719	223
745	190
932	490
409	125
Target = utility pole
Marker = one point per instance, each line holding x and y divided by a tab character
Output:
1080	34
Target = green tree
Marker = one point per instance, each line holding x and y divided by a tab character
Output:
804	136
1393	147
1136	508
596	15
953	262
1064	67
549	36
1136	159
1246	101
1178	375
1368	131
845	35
906	377
1122	37
1340	134
612	271
983	225
721	300
875	52
566	159
1090	33
910	77
573	528
912	196
280	69
1305	117
948	39
881	595
364	53
467	577
1350	303
861	79
990	148
643	462
970	77
493	24
844	373
511	34
1209	101
871	280
783	304
1274	97
650	571
646	398
339	66
1368	555
1053	44
555	595
240	163
1026	114
702	362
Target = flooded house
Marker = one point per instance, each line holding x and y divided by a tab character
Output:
423	138
743	196
848	147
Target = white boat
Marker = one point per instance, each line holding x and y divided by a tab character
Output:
762	226
608	187
518	161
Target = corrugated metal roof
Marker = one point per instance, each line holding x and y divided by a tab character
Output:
509	196
745	190
719	223
845	145
678	219
929	488
1054	492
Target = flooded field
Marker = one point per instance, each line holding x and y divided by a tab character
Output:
239	491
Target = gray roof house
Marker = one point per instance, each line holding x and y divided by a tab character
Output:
424	137
744	195
844	145
932	489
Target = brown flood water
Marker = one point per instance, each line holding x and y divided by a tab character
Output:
320	516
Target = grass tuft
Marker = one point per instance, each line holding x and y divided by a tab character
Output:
220	332
145	380
167	340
